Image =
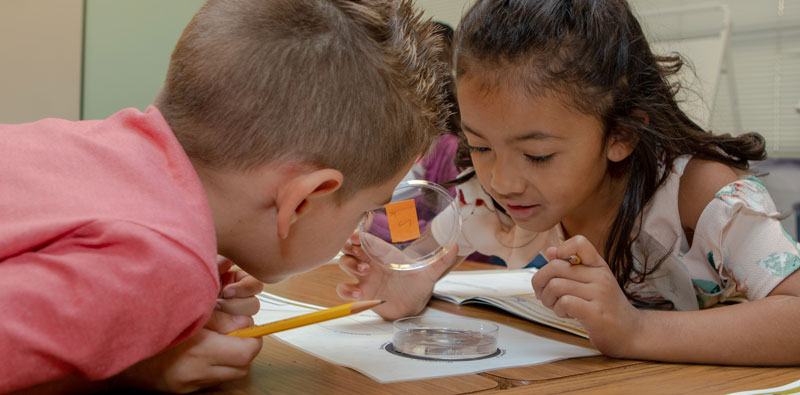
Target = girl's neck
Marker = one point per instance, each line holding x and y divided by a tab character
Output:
595	217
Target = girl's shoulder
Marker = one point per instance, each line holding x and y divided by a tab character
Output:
700	182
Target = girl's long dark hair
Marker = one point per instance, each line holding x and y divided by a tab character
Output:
594	53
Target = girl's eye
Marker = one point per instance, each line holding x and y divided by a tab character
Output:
538	159
478	149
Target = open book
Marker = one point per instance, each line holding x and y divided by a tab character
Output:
509	290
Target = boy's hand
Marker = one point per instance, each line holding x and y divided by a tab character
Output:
406	292
238	290
589	293
207	358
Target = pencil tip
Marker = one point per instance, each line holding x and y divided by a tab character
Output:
382	301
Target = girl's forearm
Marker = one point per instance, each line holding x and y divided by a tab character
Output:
762	332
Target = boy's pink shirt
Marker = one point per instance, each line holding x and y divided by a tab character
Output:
107	246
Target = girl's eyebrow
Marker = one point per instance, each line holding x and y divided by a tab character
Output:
471	131
533	135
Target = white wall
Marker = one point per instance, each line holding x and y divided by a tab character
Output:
765	52
40	59
448	11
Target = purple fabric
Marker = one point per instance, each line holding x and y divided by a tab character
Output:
438	164
439	168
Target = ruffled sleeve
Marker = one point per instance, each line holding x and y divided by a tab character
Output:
743	248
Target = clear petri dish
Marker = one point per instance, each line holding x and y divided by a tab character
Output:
445	338
422	248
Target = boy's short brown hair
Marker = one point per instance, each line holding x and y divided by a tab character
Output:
351	85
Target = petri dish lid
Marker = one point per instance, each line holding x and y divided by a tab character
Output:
425	200
445	338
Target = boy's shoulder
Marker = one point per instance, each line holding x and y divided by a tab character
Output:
129	167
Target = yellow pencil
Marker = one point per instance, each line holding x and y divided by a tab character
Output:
306	319
574	260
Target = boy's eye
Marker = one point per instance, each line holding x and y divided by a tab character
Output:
538	159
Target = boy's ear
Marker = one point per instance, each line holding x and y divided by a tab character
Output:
622	142
294	196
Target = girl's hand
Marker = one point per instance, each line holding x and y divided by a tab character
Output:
406	292
238	290
589	293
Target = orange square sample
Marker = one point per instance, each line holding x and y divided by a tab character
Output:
403	224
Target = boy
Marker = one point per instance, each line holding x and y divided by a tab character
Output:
279	124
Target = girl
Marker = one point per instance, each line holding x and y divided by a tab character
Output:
578	150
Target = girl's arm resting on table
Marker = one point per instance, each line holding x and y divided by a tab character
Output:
758	332
761	332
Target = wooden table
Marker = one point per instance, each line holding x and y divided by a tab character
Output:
283	369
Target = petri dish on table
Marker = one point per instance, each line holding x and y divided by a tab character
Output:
400	235
445	338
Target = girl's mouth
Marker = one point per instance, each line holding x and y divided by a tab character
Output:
522	211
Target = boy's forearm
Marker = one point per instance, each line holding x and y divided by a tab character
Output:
762	332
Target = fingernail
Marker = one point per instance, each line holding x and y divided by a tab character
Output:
241	320
218	306
356	294
362	267
228	292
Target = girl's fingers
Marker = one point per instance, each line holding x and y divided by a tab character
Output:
358	252
355	251
551	253
559	287
347	248
354	239
348	291
353	266
569	306
582	248
558	268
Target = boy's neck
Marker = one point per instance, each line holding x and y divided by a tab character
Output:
232	196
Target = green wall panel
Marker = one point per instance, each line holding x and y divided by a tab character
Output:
127	49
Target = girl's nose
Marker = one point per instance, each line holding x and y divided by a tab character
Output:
505	180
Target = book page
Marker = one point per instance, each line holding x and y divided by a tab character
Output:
509	290
490	283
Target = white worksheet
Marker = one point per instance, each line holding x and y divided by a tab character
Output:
359	342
